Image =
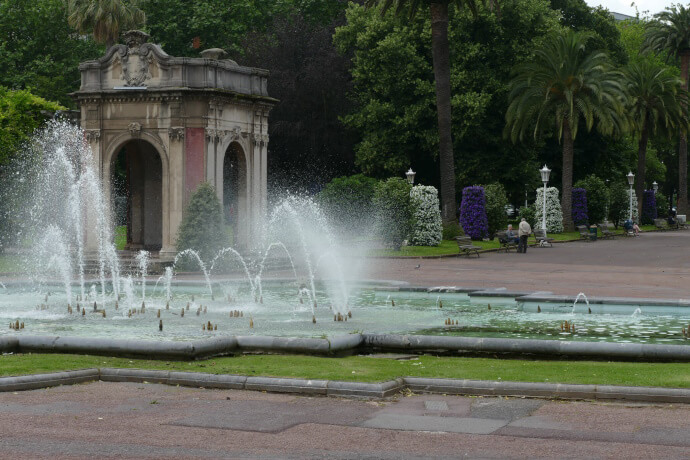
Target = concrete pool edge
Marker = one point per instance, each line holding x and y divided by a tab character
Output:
349	343
351	389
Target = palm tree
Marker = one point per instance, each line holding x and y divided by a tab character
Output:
561	85
104	18
655	106
671	32
441	57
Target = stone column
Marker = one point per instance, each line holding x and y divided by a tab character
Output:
173	190
264	176
256	187
93	138
212	138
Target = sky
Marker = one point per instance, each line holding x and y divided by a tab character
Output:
624	6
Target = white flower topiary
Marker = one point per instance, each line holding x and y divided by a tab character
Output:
554	215
427	230
636	214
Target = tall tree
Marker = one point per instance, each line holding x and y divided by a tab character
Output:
39	51
105	19
655	106
671	32
563	84
394	114
441	59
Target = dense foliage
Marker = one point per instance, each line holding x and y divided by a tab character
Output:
579	209
395	115
661	204
496	201
105	19
529	213
309	143
669	32
184	27
20	114
649	212
426	216
39	51
597	198
348	201
564	87
393	211
619	207
473	213
554	215
202	226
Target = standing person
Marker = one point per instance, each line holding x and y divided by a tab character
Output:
524	230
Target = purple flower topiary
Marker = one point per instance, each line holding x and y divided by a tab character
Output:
649	212
473	213
579	211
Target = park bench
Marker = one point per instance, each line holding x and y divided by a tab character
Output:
466	247
505	242
605	232
541	238
661	224
584	233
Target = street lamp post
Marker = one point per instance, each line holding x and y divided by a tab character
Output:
410	176
631	180
655	187
545	179
526	188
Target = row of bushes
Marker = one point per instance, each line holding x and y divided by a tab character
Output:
393	208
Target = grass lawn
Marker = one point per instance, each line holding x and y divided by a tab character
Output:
120	237
449	247
366	369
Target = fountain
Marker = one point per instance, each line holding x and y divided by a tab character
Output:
581	295
60	164
290	283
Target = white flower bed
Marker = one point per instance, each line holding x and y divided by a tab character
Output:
554	215
427	230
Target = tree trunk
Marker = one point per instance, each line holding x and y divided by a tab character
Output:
683	149
641	164
441	57
567	179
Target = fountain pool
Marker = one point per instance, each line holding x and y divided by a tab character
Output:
286	311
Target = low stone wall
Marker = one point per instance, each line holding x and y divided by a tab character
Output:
219	346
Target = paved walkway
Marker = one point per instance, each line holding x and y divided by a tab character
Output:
652	265
127	420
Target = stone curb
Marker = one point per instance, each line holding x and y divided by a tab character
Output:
286	385
36	381
365	390
548	390
350	389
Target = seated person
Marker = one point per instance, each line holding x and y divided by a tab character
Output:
511	235
628	225
631	227
671	218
